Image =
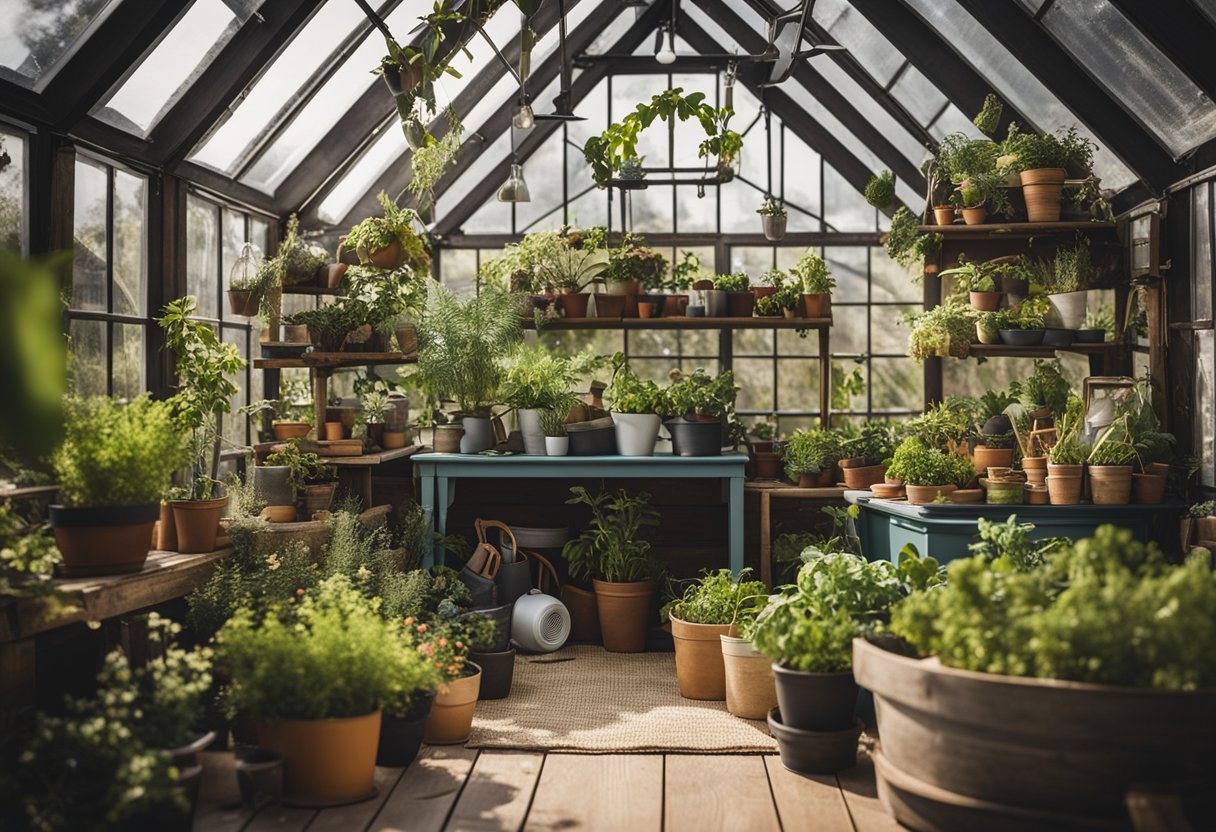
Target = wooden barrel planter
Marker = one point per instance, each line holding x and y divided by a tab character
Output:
966	750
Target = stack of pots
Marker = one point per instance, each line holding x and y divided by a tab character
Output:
1035	468
814	721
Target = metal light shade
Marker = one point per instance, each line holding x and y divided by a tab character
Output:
515	189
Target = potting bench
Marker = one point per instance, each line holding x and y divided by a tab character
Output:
438	474
945	530
766	490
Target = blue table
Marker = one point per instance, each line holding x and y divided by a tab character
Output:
438	474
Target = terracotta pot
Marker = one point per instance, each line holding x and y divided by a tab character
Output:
1159	468
326	761
198	524
645	310
389	257
1205	528
1148	488
864	476
999	472
1036	495
967	495
392	440
584	615
447	438
1064	484
283	431
1035	468
624	611
318	498
750	690
333	431
1042	189
919	495
763	291
984	457
817	305
166	529
985	301
451	717
699	668
407	338
1110	485
103	540
943	215
244	303
886	491
676	306
790	313
574	304
295	333
768	465
975	216
609	306
279	514
808	480
334	273
740	304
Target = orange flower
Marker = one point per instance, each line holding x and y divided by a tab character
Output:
300	592
443	642
427	649
422	628
409	619
459	646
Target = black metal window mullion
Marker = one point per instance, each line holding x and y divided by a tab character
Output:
109	326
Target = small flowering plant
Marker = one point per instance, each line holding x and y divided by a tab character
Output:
445	641
635	261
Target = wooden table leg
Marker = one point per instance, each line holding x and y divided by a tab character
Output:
766	539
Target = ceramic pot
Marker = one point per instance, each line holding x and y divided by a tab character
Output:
497	673
1042	188
694	311
574	304
557	445
1005	493
198	524
624	611
984	457
816	701
636	433
985	301
716	303
529	427
885	491
270	485
774	226
318	497
919	495
695	437
768	466
333	431
104	540
283	431
259	776
646	310
987	334
699	668
447	438
325	761
477	435
657	301
1110	485
864	476
943	215
390	257
609	306
392	440
1064	484
513	581
1056	337
596	437
451	717
627	289
401	737
166	529
1067	310
817	305
967	495
750	690
740	304
815	752
975	216
584	614
279	514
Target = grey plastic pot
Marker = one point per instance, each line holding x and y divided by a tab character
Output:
692	437
514	580
815	701
259	776
529	427
1022	337
815	752
477	436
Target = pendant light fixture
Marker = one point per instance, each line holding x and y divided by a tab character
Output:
515	189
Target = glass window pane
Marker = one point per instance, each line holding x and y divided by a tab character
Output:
1205	405
130	292
458	269
1201	252
234	423
38	35
755	379
128	361
792	342
389	146
889	281
232	239
88	363
650	210
202	253
12	193
1158	93
754	260
798	384
850	267
918	94
896	384
753	342
801	183
92	251
849	330
259	234
177	61
544	188
845	209
886	336
493	217
852	30
873	112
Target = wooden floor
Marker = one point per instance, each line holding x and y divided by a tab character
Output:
454	788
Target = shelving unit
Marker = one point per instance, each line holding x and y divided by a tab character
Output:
1103	358
321	366
1017	230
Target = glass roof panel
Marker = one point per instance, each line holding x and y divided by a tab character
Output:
1208	7
358	180
870	109
1137	74
953	120
38	36
279	85
853	31
918	95
169	70
1013	81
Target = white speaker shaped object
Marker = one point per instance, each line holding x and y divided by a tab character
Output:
540	622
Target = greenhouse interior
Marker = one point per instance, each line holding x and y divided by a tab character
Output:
607	414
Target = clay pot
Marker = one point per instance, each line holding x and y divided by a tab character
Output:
166	529
1042	189
645	310
103	540
817	305
451	717
333	431
985	301
975	216
863	476
198	524
750	690
943	215
1064	484
699	668
610	306
1035	468
740	304
1110	485
574	304
295	333
1148	488
919	495
768	465
584	615
279	514
1205	528
967	495
244	303
447	438
984	457
326	761
676	306
333	273
886	491
392	439
1035	495
1161	469
284	431
318	497
389	257
407	338
624	610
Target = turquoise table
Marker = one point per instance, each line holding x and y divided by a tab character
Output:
438	474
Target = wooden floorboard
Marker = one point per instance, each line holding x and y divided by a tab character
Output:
727	793
599	792
810	802
281	819
427	791
498	792
358	815
861	794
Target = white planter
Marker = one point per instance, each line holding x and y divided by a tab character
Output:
477	435
557	445
636	433
529	426
1067	310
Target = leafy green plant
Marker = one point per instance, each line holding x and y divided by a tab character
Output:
946	424
736	282
917	464
538	378
906	244
811	452
635	261
1205	509
1069	449
961	158
1011	540
686	272
811	275
972	277
328	325
627	393
717	597
984	189
1034	151
771	207
612	547
945	330
1114	445
880	190
304	467
703	395
1093	612
875	442
118	455
989	116
296	262
395	226
553	422
1046	387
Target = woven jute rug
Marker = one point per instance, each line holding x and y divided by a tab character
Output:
583	698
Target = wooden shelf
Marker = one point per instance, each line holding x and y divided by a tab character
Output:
333	360
312	290
682	323
1038	351
1016	229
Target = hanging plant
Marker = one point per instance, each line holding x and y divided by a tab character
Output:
429	162
607	152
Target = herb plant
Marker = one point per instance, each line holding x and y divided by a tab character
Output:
304	467
811	452
771	207
989	116
811	275
906	244
1046	387
917	464
1011	540
612	547
944	330
718	598
1069	449
737	282
627	393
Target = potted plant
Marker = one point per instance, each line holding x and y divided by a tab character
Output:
447	643
297	262
1023	325
987	327
310	475
751	692
704	413
1066	459
1111	462
635	406
1040	162
1065	280
815	281
683	275
709	607
908	246
978	194
205	365
388	241
740	300
248	281
462	344
810	457
1154	447
1204	516
773	217
928	473
631	268
807	631
1101	680
880	191
570	263
1046	392
115	464
976	279
313	679
863	456
613	553
328	325
537	380
553	426
373	407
